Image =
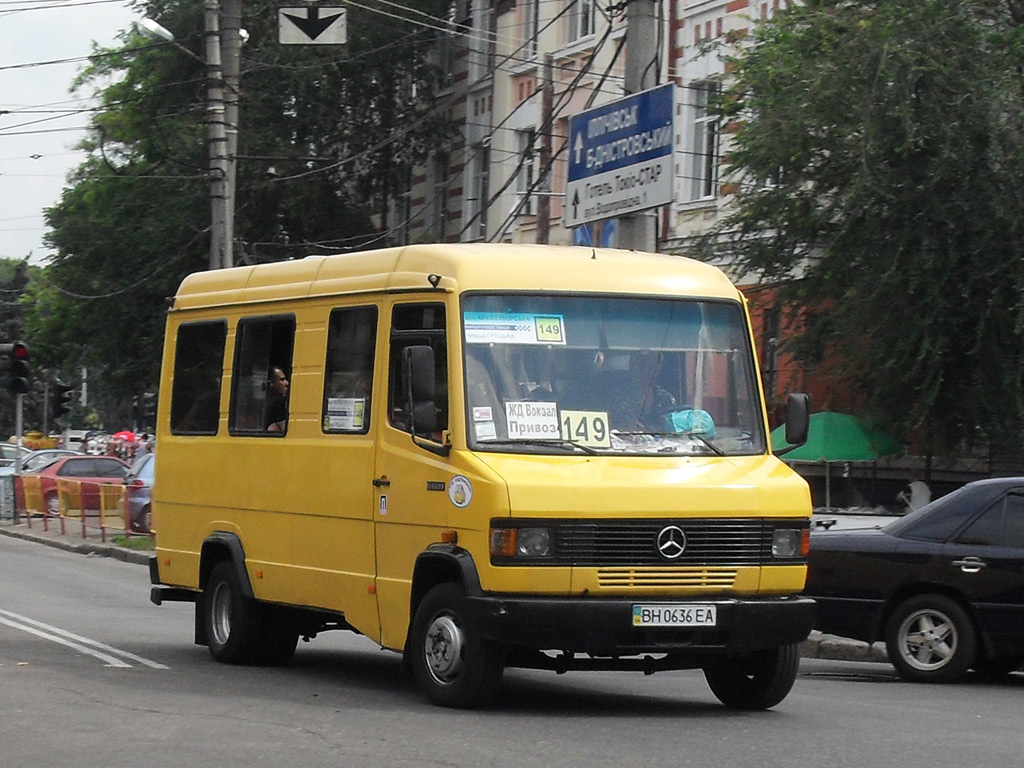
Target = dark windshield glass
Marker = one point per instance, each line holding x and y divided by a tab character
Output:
615	374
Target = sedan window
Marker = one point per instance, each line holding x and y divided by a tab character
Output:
109	468
78	468
1001	525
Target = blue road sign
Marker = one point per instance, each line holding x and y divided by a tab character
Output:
620	157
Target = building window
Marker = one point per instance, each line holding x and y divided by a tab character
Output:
198	367
525	175
480	170
440	168
531	27
581	19
704	152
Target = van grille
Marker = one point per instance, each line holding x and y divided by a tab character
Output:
715	541
709	542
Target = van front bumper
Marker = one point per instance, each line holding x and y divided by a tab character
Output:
604	626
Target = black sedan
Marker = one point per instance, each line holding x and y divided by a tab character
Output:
943	586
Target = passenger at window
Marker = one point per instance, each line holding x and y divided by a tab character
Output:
275	411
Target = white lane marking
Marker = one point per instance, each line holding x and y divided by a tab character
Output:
70	639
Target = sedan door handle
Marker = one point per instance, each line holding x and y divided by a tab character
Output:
970	564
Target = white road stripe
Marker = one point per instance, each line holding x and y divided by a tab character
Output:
70	639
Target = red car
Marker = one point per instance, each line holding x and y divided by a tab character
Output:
91	471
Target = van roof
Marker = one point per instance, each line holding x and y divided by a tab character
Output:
459	267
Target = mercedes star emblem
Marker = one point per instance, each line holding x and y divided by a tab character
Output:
671	542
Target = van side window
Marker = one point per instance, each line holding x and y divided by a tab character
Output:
415	325
261	378
198	368
348	372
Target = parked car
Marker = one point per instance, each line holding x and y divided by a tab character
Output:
10	486
8	451
942	586
140	493
91	471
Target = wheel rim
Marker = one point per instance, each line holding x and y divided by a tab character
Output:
443	649
220	614
927	639
52	506
147	521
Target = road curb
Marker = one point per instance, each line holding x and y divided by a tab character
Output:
84	547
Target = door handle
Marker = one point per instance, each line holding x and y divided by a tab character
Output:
381	481
970	564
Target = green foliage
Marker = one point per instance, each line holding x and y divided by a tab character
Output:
880	152
338	126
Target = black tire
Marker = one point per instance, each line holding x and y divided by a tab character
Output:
234	624
756	680
280	636
930	639
453	665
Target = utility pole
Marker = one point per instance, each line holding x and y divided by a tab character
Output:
544	187
223	55
231	55
639	230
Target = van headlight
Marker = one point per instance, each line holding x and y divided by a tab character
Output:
521	542
789	543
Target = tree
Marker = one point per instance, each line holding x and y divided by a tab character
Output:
325	131
878	151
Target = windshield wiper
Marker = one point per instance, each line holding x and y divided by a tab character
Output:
556	442
695	435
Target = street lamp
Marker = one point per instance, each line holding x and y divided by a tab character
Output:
222	59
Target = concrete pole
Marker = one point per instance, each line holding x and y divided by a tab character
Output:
639	230
231	54
216	136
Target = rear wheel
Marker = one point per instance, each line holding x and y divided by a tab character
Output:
452	663
756	680
930	639
280	636
234	623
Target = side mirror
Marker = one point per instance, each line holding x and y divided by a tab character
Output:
798	421
418	387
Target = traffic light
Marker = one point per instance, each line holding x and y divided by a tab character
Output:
65	400
148	408
14	366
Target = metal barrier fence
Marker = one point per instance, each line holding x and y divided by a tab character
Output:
102	506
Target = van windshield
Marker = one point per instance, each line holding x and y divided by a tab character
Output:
557	373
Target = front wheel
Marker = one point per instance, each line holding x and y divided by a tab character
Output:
930	639
453	665
755	680
52	505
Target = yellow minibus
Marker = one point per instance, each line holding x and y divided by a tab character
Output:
482	457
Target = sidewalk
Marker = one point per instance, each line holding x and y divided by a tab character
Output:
72	541
817	646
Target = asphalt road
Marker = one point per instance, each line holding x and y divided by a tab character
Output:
92	674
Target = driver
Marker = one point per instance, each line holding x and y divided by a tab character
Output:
642	407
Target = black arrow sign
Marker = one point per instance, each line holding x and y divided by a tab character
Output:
311	24
575	202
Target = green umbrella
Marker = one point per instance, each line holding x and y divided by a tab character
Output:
836	437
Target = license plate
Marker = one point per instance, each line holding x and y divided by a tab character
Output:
674	615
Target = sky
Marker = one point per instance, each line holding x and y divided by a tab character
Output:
36	142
